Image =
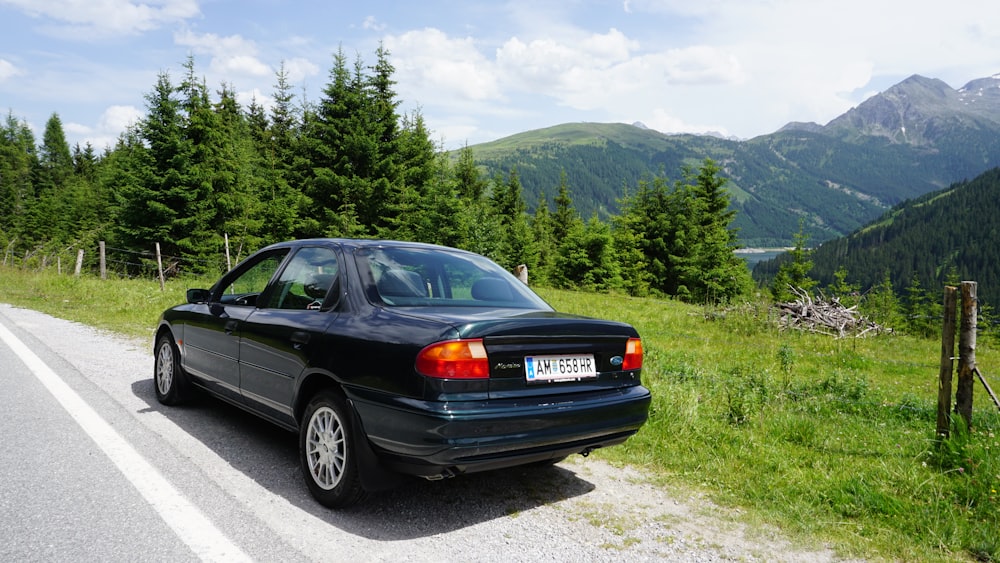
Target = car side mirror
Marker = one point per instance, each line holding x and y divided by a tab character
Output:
198	295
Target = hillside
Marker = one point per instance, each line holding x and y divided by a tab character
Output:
916	137
947	234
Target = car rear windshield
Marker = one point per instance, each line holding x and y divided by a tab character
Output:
420	277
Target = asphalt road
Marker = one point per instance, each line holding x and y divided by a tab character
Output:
93	468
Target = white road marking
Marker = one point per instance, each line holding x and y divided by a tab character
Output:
186	520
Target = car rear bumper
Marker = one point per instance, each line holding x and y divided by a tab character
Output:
440	438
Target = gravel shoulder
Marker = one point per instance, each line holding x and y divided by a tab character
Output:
582	509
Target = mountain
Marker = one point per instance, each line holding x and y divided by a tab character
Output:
916	137
949	233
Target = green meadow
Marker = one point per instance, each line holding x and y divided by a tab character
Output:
832	441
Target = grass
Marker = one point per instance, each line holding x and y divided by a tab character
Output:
830	440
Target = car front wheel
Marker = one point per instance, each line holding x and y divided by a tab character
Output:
327	452
169	378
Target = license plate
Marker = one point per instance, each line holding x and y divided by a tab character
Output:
559	368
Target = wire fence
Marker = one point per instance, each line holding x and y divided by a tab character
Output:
105	261
132	263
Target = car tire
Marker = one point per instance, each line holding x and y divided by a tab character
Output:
169	379
327	452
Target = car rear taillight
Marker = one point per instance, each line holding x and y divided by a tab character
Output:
454	359
633	354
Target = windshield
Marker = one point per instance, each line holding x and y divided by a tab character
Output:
426	277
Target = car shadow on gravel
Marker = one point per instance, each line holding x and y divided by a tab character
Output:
416	508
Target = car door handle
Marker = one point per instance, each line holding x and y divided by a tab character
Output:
299	339
231	326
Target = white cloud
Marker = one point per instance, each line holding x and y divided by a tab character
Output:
229	54
214	44
299	69
700	64
372	23
541	64
8	70
436	69
600	70
239	64
663	121
83	19
787	60
118	118
245	98
110	125
605	75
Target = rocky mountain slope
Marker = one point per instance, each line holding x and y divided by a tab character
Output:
916	137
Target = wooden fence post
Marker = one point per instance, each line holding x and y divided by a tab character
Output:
8	250
104	260
159	266
522	273
966	353
79	263
947	363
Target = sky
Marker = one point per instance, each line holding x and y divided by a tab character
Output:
481	70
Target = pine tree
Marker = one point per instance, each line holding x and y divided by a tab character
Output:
923	312
469	182
587	259
711	271
18	161
483	232
54	158
627	231
197	230
237	186
881	305
658	216
47	216
127	175
507	203
382	143
845	292
278	147
796	272
565	216
339	150
411	211
85	161
542	228
155	195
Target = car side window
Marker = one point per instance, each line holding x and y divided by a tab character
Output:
248	285
306	281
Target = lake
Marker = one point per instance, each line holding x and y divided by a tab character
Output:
754	255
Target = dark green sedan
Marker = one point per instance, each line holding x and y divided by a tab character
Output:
396	358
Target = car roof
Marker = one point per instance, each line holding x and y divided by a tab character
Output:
356	243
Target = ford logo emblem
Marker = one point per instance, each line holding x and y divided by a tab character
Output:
617	361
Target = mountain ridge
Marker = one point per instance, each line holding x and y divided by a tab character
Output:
917	136
940	236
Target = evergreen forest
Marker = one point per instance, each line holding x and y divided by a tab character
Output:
199	170
917	247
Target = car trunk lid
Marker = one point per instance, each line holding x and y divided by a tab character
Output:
546	353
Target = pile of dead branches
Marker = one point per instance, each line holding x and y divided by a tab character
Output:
824	316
